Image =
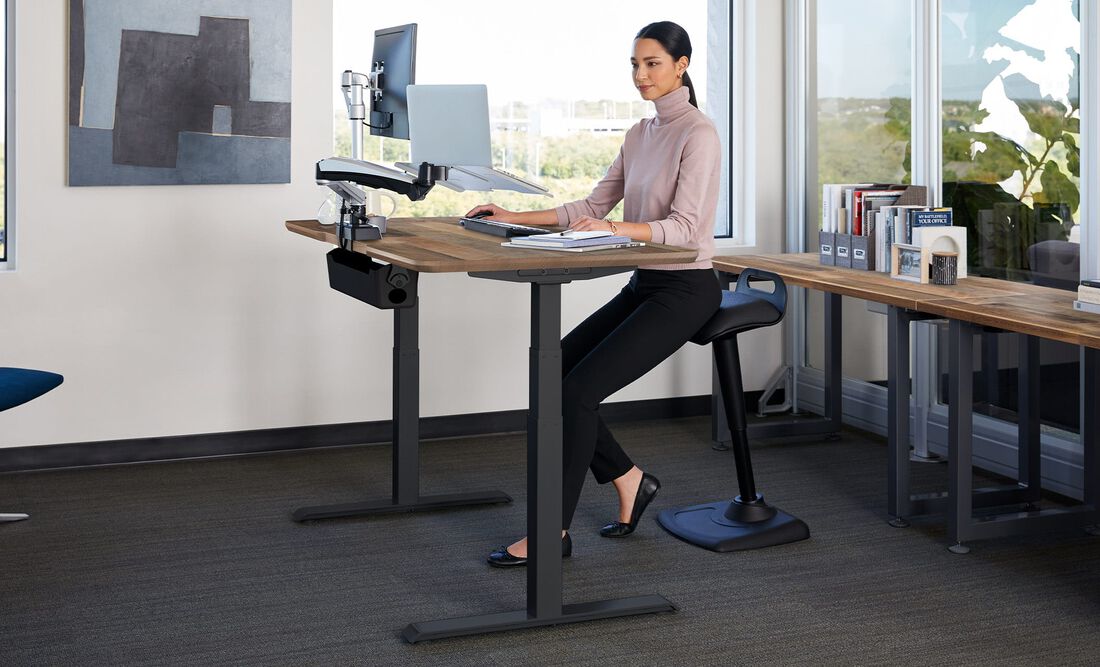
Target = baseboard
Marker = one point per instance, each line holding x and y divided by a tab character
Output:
238	443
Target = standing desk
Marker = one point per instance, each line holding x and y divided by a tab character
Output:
1032	311
440	245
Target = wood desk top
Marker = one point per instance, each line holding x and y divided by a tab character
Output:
1018	307
440	245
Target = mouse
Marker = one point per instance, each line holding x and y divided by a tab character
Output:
480	214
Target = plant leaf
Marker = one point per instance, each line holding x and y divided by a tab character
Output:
1057	187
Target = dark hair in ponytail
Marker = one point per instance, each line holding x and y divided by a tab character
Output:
675	40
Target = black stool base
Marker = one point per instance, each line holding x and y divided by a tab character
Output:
707	526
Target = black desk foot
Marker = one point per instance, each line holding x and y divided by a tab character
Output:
424	504
710	526
898	522
516	620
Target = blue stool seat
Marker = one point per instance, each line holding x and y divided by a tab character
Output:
746	522
17	386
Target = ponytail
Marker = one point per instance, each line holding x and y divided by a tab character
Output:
691	90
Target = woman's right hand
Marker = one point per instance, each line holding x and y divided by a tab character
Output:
495	212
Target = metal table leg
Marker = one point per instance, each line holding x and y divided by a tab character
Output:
1028	447
544	502
406	441
897	423
960	431
8	517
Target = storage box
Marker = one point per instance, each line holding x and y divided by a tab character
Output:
844	250
827	248
863	251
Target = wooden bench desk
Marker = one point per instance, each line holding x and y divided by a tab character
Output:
1032	311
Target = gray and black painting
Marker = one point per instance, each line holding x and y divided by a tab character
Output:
164	92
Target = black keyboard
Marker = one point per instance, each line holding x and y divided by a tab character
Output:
496	228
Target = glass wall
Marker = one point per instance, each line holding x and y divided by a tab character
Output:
864	83
561	95
1011	173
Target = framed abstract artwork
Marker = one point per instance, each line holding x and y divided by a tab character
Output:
170	92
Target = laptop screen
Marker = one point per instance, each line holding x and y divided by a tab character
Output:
449	125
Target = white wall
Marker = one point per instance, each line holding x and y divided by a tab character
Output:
190	309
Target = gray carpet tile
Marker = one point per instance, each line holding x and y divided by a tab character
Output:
198	563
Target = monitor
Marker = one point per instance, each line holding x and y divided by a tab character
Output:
395	52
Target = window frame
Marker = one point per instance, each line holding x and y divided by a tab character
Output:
7	260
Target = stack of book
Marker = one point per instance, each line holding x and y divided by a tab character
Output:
860	222
1088	296
571	241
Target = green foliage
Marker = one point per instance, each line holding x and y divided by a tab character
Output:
578	156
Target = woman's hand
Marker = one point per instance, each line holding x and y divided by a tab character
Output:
587	224
495	212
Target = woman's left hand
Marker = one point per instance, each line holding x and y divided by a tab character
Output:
587	224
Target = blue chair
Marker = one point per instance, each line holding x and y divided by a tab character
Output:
746	522
17	386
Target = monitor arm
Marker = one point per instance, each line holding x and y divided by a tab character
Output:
343	176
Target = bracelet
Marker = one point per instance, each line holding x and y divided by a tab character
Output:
614	229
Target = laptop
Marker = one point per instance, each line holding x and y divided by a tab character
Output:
449	126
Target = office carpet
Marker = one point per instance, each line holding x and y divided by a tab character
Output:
198	563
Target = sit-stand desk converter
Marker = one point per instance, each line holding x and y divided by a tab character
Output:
1032	311
439	245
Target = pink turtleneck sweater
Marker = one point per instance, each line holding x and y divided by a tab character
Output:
667	173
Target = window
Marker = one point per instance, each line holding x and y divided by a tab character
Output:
862	117
1011	173
560	91
1011	132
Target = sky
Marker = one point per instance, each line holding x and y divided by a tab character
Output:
969	28
570	49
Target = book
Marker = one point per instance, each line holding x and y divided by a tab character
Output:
1086	307
1088	294
940	217
570	238
583	248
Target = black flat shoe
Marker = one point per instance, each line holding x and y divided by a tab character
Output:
647	490
502	558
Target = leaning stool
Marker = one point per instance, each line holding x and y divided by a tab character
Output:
17	386
746	522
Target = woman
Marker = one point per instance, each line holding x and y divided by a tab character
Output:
667	174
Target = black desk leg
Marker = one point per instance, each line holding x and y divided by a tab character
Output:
544	502
406	440
898	374
1028	447
960	430
834	390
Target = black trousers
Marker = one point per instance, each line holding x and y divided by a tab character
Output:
652	317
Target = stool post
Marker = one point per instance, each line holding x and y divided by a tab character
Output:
728	361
